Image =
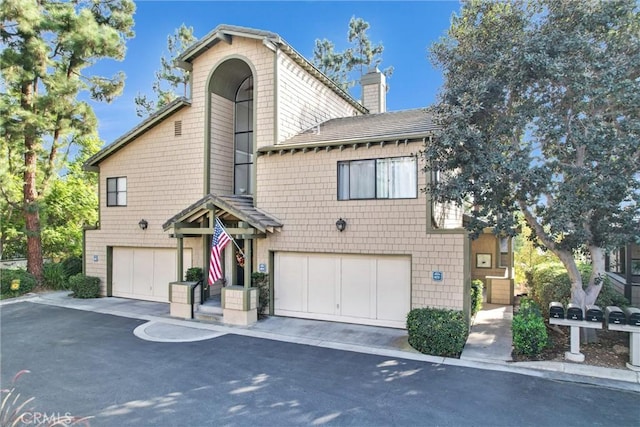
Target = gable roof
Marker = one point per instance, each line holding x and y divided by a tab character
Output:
232	206
393	126
225	33
91	164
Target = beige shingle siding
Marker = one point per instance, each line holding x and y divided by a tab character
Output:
303	101
222	134
164	174
258	56
301	190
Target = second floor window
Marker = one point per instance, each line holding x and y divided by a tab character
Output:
388	178
117	191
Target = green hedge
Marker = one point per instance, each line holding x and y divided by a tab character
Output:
437	332
529	332
550	282
85	286
476	296
26	282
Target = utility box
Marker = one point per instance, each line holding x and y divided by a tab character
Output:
593	313
614	316
633	316
574	312
556	310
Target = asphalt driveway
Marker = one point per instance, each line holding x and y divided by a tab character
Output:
89	364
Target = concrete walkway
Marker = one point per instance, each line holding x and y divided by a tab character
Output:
488	345
490	336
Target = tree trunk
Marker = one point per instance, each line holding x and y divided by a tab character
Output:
30	194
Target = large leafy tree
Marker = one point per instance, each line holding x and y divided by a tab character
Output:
171	81
47	45
347	67
540	114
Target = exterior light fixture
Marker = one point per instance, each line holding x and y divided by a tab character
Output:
143	224
341	224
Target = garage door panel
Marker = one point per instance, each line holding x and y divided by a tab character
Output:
322	276
366	289
291	279
394	288
357	277
145	273
164	266
122	270
142	275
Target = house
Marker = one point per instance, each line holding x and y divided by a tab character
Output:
623	269
320	191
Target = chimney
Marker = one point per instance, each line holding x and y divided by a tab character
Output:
374	91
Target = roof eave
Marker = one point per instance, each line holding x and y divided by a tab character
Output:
400	138
91	165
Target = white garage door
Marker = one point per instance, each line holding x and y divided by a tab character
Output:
372	290
145	273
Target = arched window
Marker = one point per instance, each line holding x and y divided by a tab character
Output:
243	139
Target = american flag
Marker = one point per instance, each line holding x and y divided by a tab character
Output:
219	241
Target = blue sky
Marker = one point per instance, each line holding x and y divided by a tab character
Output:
405	28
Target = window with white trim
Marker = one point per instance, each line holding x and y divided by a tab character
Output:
387	178
117	191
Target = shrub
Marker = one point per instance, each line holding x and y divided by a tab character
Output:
72	266
84	286
54	275
476	296
194	274
529	332
261	281
7	276
551	283
437	332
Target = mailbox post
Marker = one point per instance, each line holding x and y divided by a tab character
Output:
575	319
627	320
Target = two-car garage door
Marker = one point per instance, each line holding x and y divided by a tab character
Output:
145	273
373	290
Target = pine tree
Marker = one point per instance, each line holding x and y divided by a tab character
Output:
170	81
46	47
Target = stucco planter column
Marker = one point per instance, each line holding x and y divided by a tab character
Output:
239	305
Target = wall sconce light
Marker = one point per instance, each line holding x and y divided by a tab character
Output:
143	224
341	224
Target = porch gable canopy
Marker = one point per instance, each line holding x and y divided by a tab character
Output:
228	208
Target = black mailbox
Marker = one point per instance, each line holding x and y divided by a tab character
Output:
574	312
556	310
615	316
593	313
633	316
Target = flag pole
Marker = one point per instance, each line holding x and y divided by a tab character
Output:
232	239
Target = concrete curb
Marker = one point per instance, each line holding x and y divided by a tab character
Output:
171	330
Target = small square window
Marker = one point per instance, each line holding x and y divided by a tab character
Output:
117	191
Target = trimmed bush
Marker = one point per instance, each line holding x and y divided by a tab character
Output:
529	332
7	276
72	266
476	296
550	282
437	331
85	286
54	276
261	281
194	274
